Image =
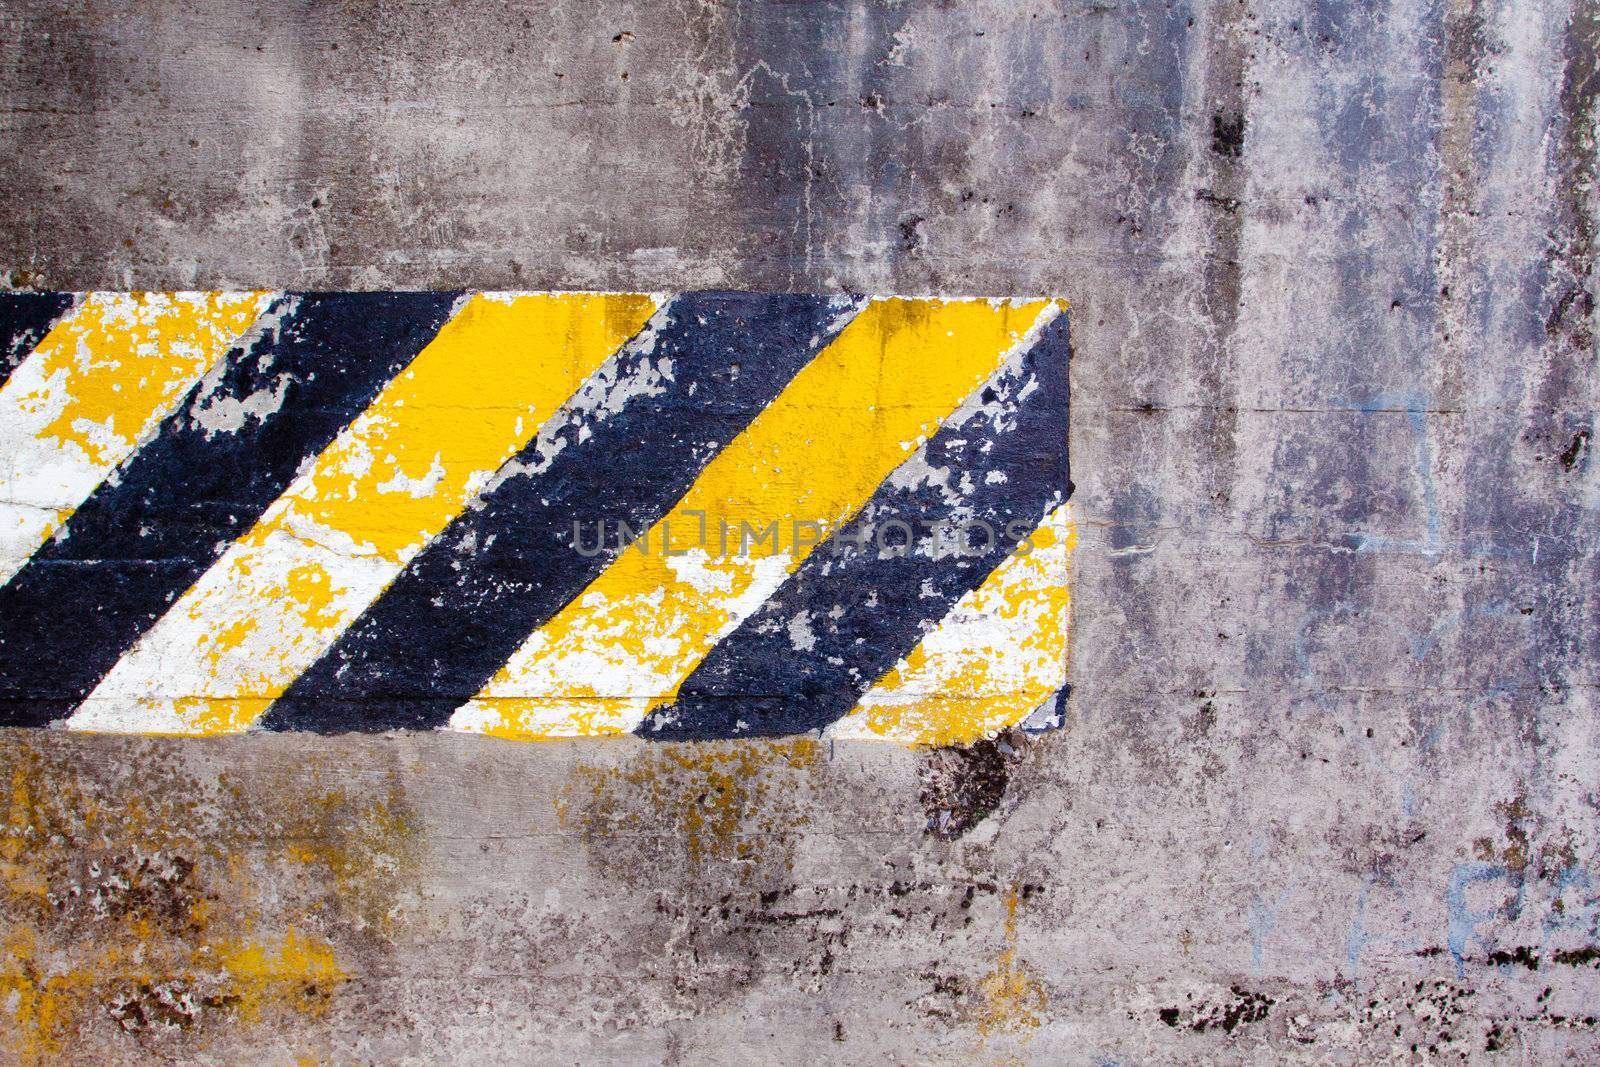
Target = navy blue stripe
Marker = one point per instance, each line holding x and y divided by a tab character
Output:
24	320
848	614
229	450
509	563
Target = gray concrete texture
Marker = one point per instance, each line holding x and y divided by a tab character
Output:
1328	791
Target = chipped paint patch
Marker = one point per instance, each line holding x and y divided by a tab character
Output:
498	372
90	393
367	512
998	655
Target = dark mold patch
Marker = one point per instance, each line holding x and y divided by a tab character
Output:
157	889
1246	1007
1522	955
1588	956
963	786
1577	451
1530	958
1227	134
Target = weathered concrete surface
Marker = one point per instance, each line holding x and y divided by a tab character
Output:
1329	787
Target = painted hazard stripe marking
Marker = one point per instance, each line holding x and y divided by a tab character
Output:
392	480
234	443
24	320
844	618
707	365
817	452
998	655
93	388
534	515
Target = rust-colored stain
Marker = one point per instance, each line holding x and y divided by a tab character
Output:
729	805
149	914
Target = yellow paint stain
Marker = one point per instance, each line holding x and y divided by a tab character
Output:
122	923
310	592
815	454
38	1004
210	716
299	974
1011	999
114	367
295	977
396	477
952	691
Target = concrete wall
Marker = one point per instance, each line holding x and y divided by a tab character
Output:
1328	790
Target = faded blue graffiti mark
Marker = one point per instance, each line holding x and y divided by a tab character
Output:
1358	938
1463	924
1415	407
1263	918
1567	916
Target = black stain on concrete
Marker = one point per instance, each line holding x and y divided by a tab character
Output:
1227	134
962	786
1577	451
1528	957
1244	1008
910	238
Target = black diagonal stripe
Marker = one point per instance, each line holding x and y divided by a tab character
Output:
509	563
24	320
231	447
847	615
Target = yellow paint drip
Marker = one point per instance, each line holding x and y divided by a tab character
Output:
954	692
815	454
123	358
1012	1001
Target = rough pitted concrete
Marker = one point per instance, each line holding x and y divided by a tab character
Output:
1329	790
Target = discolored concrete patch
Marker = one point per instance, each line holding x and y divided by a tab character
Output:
157	907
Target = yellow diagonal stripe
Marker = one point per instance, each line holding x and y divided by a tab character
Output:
468	402
391	481
94	387
816	453
999	653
